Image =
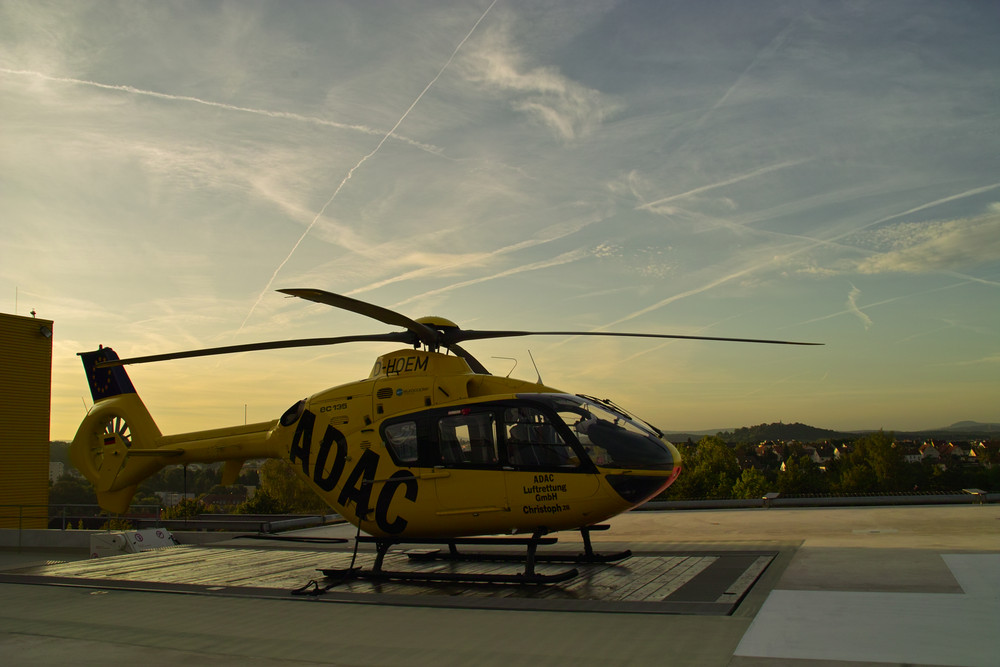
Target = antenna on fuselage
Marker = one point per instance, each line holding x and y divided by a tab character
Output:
537	372
508	359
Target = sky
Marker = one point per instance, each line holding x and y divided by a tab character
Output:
812	171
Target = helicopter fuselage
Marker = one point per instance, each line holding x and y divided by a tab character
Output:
423	448
426	448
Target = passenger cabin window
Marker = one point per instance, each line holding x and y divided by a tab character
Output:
534	442
401	441
468	438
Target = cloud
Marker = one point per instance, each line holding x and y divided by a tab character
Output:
564	258
360	162
450	262
567	108
852	306
990	359
935	246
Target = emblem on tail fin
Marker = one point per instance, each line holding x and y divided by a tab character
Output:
105	382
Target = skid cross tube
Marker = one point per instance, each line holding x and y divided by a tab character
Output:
528	576
588	555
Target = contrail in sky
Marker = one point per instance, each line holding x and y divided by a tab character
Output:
880	303
682	295
814	244
767	52
960	195
711	186
282	115
364	159
446	265
547	235
565	258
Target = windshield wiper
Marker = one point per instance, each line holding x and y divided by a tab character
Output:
614	407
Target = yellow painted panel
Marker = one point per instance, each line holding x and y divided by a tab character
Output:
25	405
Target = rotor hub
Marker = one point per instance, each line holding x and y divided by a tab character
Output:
439	323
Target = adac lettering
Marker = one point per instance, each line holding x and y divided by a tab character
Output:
358	485
544	490
398	478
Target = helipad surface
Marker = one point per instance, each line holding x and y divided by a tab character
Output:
911	585
677	582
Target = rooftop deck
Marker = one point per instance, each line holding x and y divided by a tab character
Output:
908	585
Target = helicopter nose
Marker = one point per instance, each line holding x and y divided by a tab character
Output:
638	487
676	456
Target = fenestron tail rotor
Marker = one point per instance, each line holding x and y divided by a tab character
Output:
117	426
105	437
433	333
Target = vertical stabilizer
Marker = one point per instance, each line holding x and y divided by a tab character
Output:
105	382
116	424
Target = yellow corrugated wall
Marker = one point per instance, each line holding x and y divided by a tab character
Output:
25	404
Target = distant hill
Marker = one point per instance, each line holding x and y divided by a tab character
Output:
963	430
784	432
763	432
978	427
59	451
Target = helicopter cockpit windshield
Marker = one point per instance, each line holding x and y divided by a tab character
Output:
610	438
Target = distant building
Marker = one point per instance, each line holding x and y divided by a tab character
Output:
910	451
228	501
171	498
819	455
928	452
25	407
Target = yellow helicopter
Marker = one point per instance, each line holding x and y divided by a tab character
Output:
429	447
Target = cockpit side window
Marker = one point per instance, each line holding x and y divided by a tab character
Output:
468	439
401	441
534	442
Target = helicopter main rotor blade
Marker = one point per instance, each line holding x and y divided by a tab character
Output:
397	337
474	364
451	337
426	334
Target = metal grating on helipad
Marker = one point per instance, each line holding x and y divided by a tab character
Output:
675	582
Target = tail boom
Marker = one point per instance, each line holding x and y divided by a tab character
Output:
118	444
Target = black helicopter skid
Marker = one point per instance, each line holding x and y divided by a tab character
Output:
588	555
528	576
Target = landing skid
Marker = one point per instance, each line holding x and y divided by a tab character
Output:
528	576
530	558
588	555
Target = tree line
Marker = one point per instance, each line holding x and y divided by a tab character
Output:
712	469
276	490
875	464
